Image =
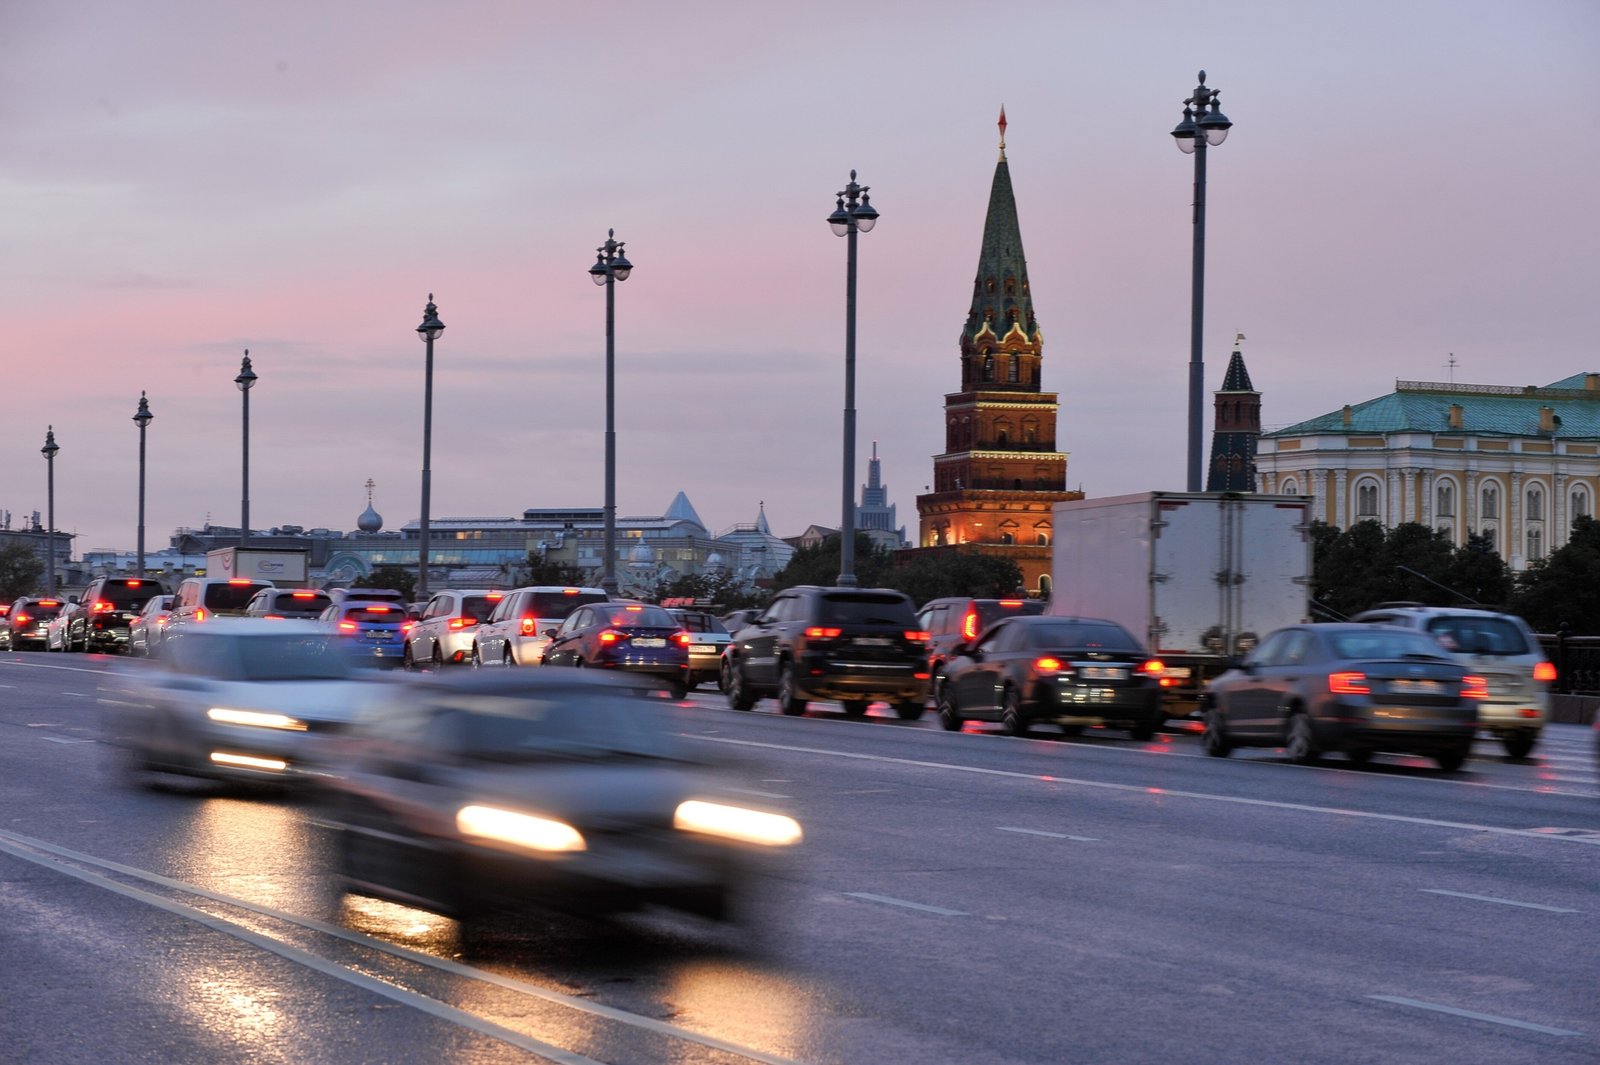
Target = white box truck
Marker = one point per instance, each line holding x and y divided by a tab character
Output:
284	567
1199	576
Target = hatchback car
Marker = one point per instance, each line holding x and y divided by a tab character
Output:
25	627
518	631
957	620
633	638
236	700
1070	672
1348	687
373	634
55	630
1503	650
148	625
288	604
707	640
202	599
444	629
105	611
469	794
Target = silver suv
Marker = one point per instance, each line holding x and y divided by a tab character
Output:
1503	650
448	625
519	630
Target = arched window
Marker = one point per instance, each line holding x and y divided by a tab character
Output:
1007	538
1013	369
1535	543
988	367
1367	501
1290	488
1580	501
1492	534
1002	437
1535	510
1044	539
1446	501
1491	502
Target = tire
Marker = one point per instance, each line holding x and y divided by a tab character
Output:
477	659
1454	759
506	659
1358	755
1214	741
1012	720
739	696
678	690
407	662
855	707
789	701
1300	742
1145	731
437	659
949	714
910	709
1519	744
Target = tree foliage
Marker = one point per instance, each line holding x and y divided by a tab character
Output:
1358	568
819	564
540	570
1564	586
20	571
922	576
396	577
724	591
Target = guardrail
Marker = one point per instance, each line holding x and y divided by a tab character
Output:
1577	662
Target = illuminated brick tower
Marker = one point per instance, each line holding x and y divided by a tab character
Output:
1000	472
1236	426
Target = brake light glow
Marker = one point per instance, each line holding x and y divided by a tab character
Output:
377	609
347	626
21	619
49	602
916	636
462	623
609	636
495	597
240	580
1348	684
527	626
681	638
1545	672
303	595
633	609
969	626
569	591
1153	667
134	583
199	613
1474	687
818	632
407	626
1011	602
100	607
273	617
1047	665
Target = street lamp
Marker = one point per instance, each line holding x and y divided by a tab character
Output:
49	452
141	418
428	331
1203	124
853	214
610	265
246	381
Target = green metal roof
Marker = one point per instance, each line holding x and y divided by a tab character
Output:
1486	410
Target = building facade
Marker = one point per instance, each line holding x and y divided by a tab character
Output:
1516	464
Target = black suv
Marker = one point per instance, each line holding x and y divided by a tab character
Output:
952	622
106	609
850	644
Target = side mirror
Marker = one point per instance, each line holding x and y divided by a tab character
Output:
550	633
972	651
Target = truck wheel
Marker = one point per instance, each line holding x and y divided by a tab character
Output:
1012	723
1518	744
789	701
1215	739
1301	742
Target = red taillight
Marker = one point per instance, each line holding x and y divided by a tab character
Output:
100	607
1348	684
1474	687
969	626
1011	602
273	617
21	619
1047	665
495	597
462	623
1545	672
818	632
527	626
241	580
915	636
347	626
609	636
49	602
200	613
569	591
161	622
1153	667
682	639
377	609
134	584
407	626
303	595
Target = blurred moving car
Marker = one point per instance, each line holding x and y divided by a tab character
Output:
1348	687
105	611
517	633
148	625
957	620
1500	648
1070	672
634	638
469	794
372	634
370	595
55	630
237	700
850	644
285	604
24	627
443	632
707	640
734	620
201	599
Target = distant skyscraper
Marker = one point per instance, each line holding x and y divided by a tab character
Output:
876	513
1236	426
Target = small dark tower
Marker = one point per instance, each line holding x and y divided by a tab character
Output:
1236	426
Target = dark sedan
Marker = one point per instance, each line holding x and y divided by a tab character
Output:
480	792
1070	672
1351	688
631	637
24	626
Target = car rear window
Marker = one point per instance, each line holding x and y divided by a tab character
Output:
991	610
555	606
302	601
479	606
1084	635
1480	636
129	595
848	609
1384	644
231	597
43	609
376	613
700	623
652	617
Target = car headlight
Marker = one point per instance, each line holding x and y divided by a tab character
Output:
255	718
526	831
735	822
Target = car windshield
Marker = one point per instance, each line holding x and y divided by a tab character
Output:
856	609
267	656
555	606
1479	635
1379	644
535	728
232	596
1088	635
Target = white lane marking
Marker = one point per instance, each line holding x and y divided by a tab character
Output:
1052	835
7	685
1503	902
1471	1015
758	794
69	669
887	901
79	695
62	739
649	1024
311	961
1148	790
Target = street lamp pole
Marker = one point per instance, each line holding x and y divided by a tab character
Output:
246	381
609	267
1203	124
429	331
49	452
141	418
853	214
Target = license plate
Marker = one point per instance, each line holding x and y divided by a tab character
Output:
650	641
1420	687
874	641
1105	673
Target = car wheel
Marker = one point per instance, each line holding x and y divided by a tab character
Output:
949	715
910	709
678	689
438	659
1358	755
1520	743
506	659
407	662
477	659
789	701
855	707
1012	721
1454	759
733	683
1145	731
1215	738
1301	743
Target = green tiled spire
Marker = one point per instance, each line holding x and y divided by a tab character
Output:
1001	297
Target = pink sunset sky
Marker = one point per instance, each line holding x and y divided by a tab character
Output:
181	181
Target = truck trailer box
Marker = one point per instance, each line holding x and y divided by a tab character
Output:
284	567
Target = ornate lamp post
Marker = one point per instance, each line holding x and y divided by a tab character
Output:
141	418
246	381
429	331
853	214
49	452
1203	124
610	266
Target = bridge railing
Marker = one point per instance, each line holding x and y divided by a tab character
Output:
1577	662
